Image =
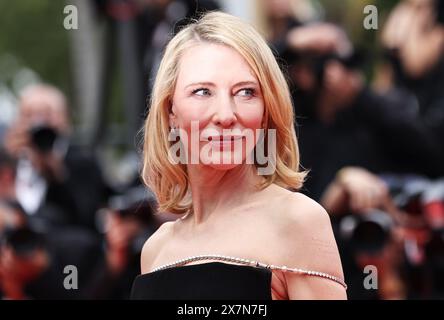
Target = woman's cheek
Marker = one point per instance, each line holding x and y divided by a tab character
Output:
194	111
252	116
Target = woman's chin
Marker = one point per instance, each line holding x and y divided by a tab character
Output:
222	166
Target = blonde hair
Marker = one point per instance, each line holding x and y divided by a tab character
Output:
170	181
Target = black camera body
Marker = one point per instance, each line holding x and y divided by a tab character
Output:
369	232
135	203
24	240
317	61
439	5
44	138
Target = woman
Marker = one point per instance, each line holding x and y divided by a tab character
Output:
242	223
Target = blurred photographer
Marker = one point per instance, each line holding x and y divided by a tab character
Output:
414	39
126	222
23	259
16	269
422	203
32	259
366	222
8	168
326	81
281	16
413	43
342	122
394	222
32	263
57	183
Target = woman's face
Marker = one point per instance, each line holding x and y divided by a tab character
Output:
218	99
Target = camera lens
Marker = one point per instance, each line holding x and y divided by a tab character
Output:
24	240
43	138
369	236
368	232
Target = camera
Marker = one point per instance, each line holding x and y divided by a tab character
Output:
367	233
23	240
135	203
316	62
44	138
439	7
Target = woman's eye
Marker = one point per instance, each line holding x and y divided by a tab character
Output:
201	92
247	92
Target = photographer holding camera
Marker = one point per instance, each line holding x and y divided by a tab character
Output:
343	122
369	230
57	183
326	83
348	132
126	222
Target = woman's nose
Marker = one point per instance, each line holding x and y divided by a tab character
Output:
225	115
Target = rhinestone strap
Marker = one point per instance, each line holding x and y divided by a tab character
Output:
251	263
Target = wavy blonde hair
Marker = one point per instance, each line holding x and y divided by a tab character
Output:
170	181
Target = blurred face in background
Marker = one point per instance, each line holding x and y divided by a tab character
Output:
41	105
278	9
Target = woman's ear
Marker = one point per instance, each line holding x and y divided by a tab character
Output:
172	117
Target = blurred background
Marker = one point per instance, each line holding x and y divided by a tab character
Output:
367	80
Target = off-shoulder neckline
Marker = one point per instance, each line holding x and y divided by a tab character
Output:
201	265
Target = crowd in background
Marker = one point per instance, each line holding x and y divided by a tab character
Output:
374	152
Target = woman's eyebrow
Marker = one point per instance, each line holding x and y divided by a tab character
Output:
246	83
211	84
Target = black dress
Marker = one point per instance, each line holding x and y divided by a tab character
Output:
205	281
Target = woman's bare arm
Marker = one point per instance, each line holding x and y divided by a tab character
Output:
310	245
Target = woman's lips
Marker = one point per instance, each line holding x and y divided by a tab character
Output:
223	138
225	142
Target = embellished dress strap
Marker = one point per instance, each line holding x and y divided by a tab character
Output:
251	263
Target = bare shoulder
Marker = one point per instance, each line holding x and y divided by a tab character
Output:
305	225
306	241
294	209
153	245
307	215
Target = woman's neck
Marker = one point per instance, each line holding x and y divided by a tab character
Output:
220	190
